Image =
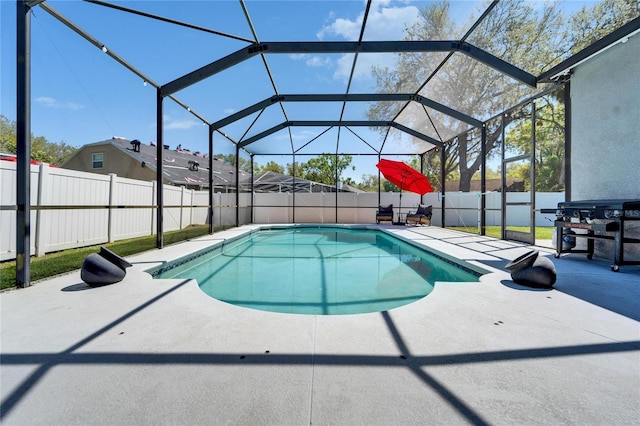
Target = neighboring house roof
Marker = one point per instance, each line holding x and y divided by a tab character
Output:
349	188
178	169
278	182
14	159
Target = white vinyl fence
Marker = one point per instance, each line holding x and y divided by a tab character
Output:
74	209
462	209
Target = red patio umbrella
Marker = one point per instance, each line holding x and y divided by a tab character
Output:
405	177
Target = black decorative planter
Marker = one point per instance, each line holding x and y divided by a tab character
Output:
103	268
532	270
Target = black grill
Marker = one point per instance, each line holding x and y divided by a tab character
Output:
601	219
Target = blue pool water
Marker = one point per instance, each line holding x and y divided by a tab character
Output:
317	270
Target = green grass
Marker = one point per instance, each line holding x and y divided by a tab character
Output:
70	260
542	232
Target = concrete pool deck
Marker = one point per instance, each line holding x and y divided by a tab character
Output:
494	352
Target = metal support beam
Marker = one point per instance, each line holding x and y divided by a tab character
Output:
532	175
237	186
97	43
416	134
211	189
483	181
354	97
289	47
168	20
379	181
503	179
443	159
159	171
329	123
263	134
328	47
252	189
246	112
421	156
293	190
567	141
207	71
23	144
606	42
498	64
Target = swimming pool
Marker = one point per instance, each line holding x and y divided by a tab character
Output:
319	270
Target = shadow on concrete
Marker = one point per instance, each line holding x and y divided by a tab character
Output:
516	286
593	281
416	364
588	280
76	287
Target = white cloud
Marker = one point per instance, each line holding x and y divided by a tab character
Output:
296	135
364	65
387	20
311	61
180	124
229	111
317	61
342	28
49	102
72	105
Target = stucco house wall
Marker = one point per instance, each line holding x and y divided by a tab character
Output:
605	133
114	161
605	127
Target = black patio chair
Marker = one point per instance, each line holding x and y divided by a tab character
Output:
385	214
422	216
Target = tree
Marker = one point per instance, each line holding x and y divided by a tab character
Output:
522	35
7	135
41	148
322	169
271	166
369	183
549	154
244	164
533	40
591	24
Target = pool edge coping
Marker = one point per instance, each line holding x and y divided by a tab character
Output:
171	264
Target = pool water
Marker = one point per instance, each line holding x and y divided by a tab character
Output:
319	271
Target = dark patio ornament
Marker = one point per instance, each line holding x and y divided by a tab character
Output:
532	270
103	268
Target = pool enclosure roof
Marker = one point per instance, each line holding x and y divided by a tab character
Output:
268	93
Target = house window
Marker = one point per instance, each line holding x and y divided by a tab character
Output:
97	160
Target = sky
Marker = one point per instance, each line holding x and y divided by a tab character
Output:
80	95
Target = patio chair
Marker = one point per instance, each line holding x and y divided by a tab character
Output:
385	214
422	216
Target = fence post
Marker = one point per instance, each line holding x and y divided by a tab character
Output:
220	208
153	203
292	208
181	205
39	245
193	196
112	179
